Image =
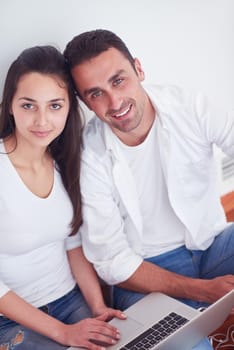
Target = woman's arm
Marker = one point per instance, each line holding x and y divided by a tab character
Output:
88	282
15	308
78	334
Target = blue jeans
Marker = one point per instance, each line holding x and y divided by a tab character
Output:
69	309
217	260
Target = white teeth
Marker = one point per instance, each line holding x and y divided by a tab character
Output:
123	113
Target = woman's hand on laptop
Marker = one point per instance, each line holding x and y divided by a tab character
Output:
90	333
105	313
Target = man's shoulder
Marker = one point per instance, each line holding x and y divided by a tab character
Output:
93	140
170	99
169	94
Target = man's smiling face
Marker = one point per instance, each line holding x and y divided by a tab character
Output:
111	88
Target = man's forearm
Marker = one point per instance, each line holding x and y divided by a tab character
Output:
152	278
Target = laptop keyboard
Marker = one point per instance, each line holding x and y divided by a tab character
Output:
156	333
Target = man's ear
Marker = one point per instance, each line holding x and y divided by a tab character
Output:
139	69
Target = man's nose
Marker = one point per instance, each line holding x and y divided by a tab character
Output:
114	102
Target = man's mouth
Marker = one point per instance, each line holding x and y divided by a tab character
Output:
123	113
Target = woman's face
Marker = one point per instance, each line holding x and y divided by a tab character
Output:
40	108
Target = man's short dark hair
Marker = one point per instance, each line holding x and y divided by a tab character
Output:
92	43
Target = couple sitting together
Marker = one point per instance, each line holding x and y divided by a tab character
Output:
130	199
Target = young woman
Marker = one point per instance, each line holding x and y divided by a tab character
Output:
48	290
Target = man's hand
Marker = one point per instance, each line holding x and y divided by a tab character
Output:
214	289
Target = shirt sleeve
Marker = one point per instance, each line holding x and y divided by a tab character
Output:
217	128
3	289
73	242
104	240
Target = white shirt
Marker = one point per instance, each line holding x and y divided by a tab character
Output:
162	229
33	238
113	229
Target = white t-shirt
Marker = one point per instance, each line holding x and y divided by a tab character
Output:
33	238
163	230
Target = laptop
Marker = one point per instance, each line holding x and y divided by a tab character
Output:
159	322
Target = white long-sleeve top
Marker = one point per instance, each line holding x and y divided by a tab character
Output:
34	238
112	230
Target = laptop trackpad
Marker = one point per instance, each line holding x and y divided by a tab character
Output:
126	327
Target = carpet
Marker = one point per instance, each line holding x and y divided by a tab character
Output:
223	337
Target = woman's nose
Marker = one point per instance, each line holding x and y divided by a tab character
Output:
41	117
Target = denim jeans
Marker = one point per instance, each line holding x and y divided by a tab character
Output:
217	260
69	309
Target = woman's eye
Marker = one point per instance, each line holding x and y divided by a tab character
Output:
55	106
27	106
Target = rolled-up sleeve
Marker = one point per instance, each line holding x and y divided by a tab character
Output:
3	289
73	242
104	241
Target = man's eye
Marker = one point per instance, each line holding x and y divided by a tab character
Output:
117	81
55	106
96	94
28	106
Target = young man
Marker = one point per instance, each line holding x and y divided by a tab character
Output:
152	218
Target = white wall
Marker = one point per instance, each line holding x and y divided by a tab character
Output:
184	42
